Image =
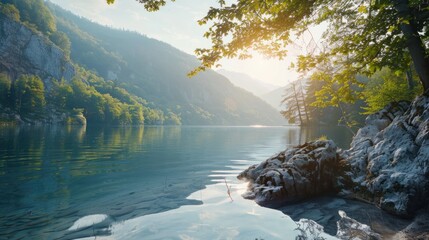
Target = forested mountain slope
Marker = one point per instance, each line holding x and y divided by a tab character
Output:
157	72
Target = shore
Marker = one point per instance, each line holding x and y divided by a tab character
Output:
385	166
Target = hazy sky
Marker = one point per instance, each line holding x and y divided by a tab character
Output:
176	24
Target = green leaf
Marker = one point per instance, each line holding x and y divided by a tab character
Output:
362	9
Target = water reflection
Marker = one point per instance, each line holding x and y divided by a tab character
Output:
51	176
340	135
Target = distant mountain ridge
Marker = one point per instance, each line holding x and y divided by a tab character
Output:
247	82
275	97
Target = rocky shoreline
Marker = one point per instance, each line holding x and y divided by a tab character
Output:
387	165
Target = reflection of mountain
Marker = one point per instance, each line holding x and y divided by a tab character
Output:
248	83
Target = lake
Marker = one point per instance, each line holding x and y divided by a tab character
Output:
70	182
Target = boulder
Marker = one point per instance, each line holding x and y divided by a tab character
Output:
295	174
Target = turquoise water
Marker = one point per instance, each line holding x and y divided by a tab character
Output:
139	182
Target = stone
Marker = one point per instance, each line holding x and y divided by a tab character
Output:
293	175
350	229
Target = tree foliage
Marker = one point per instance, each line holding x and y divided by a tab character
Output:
5	85
10	11
150	5
36	13
385	87
30	94
61	40
362	37
296	109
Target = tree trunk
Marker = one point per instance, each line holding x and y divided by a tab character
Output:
304	104
414	42
297	104
410	81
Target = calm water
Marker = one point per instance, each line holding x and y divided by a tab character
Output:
139	182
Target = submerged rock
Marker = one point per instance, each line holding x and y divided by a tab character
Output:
309	230
301	172
350	229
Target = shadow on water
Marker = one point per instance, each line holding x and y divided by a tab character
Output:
339	134
51	176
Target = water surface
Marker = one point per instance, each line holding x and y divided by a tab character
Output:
172	177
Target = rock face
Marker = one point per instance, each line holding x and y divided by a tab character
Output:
389	158
295	174
387	164
22	51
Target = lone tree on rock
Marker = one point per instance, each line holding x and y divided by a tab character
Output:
361	37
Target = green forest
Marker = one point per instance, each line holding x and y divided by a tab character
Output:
87	93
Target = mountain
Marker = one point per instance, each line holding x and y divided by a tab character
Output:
114	76
39	84
248	83
275	97
157	72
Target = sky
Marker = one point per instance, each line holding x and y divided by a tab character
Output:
176	24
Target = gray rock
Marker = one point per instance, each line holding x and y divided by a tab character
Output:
388	163
350	229
23	51
295	174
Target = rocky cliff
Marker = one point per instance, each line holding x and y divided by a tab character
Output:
24	51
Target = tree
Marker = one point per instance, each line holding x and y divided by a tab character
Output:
30	94
385	87
61	40
362	37
35	12
61	94
5	84
136	112
10	11
296	106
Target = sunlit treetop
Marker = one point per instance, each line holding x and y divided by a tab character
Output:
362	37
